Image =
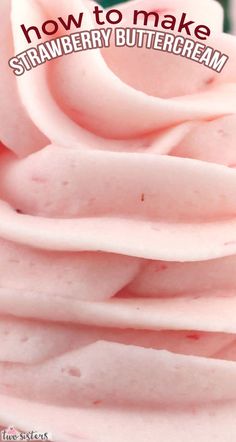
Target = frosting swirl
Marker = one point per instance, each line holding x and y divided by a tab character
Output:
117	236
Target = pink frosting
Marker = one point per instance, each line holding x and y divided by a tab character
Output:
118	237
